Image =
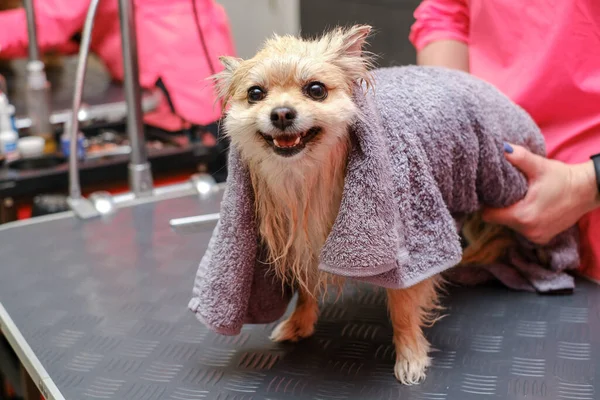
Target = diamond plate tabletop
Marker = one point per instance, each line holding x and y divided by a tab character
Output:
102	306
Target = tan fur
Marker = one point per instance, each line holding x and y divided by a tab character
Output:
337	55
486	242
297	198
301	324
295	213
410	309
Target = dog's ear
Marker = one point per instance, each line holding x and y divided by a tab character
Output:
224	79
354	40
347	46
230	63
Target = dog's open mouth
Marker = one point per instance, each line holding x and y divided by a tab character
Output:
289	144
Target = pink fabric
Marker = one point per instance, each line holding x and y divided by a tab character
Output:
544	56
168	44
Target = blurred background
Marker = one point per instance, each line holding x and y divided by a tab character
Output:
253	20
178	44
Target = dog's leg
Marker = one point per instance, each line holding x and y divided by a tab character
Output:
410	309
301	324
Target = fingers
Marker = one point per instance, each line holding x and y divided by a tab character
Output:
529	216
527	162
502	216
519	219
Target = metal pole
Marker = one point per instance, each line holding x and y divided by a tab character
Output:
80	206
140	175
38	88
34	53
73	126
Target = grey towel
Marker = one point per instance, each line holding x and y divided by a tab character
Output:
427	150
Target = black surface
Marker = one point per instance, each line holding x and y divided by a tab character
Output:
29	182
37	163
103	305
99	89
9	368
49	204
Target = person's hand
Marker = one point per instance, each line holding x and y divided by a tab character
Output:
559	195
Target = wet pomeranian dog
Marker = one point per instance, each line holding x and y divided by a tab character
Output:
290	111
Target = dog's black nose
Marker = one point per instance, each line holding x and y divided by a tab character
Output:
282	117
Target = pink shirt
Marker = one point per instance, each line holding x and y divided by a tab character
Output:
168	45
544	55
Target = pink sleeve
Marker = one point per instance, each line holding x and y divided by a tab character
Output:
57	22
440	19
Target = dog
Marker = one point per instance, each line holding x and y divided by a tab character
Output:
289	112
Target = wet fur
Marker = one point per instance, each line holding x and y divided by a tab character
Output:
297	198
486	243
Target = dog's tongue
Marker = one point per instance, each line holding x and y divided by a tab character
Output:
287	141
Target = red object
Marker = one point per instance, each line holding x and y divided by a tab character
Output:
169	47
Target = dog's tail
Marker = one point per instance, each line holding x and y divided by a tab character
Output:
486	243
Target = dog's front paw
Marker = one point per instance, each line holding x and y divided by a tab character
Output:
292	330
411	367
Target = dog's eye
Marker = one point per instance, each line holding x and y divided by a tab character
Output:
255	94
316	91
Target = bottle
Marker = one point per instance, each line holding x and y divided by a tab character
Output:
38	104
8	135
65	142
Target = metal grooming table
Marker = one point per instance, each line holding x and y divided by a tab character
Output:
97	310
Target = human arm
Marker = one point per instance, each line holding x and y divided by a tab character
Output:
445	53
57	22
559	195
440	33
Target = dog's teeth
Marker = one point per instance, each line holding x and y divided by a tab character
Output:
286	143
